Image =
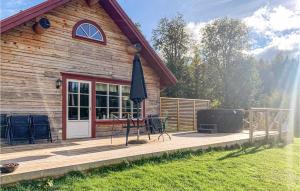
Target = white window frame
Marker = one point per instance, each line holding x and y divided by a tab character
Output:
120	102
88	36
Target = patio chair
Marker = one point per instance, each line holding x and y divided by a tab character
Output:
40	128
4	126
157	124
19	128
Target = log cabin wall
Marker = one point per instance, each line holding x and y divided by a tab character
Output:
31	63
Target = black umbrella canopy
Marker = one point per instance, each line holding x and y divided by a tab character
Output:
138	90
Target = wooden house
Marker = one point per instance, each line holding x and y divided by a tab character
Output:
70	60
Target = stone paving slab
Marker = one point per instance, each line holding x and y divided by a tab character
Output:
44	160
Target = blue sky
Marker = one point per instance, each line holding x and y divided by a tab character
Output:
275	24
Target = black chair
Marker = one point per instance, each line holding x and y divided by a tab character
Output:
155	123
40	128
19	128
3	126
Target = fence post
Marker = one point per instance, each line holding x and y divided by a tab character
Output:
194	115
251	125
279	126
177	114
267	113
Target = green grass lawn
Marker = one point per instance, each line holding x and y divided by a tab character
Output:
253	168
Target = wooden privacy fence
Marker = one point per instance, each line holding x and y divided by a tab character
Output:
266	119
182	113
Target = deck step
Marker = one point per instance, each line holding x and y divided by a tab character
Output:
208	128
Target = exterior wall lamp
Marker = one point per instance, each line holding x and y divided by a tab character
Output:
58	83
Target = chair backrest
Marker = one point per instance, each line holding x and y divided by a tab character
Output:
3	119
40	126
3	124
20	125
155	122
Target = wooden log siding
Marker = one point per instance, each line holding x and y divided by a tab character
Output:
182	113
31	63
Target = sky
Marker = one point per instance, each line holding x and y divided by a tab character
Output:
274	24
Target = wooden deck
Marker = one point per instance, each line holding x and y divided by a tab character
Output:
43	160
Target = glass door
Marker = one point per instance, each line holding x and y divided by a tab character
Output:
78	109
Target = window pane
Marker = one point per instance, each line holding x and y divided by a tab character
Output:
125	90
93	30
84	113
135	106
114	112
101	113
73	99
113	101
101	89
73	87
73	113
98	37
84	100
135	110
135	114
126	102
114	90
79	32
101	101
84	88
85	27
126	112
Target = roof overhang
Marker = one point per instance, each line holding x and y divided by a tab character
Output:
115	11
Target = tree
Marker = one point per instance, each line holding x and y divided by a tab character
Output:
138	26
172	41
231	72
197	69
278	79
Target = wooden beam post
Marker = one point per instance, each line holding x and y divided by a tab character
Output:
279	126
251	126
177	114
267	114
194	115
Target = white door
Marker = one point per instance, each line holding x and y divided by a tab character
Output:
78	109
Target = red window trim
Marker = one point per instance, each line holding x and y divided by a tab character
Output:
93	80
87	39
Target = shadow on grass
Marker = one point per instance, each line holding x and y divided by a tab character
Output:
242	151
252	149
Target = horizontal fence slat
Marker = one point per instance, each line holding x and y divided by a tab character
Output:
181	112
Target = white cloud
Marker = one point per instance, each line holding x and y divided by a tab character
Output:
298	5
279	26
275	28
194	30
276	19
287	43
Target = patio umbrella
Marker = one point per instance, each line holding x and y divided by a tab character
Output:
138	90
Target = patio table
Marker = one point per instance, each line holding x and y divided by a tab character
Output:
128	126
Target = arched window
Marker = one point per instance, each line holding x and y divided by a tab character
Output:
90	31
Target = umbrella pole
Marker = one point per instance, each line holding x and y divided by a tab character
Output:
138	122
